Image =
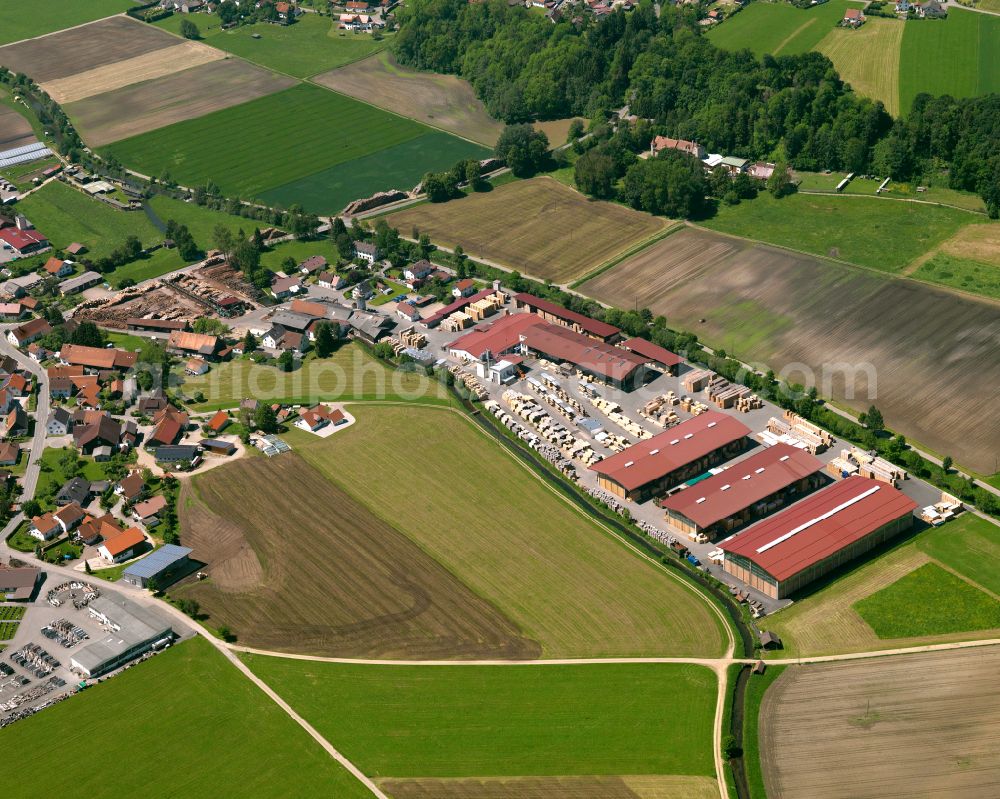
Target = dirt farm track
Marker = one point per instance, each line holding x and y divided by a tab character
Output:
932	355
906	726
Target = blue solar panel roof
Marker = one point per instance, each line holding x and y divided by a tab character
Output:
157	561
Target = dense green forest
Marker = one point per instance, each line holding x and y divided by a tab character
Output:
793	109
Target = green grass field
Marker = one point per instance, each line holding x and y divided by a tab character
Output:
971	546
566	583
456	721
779	28
310	46
821	181
956	56
868	58
929	601
350	374
45	16
289	143
756	688
961	273
66	215
865	231
200	726
401	166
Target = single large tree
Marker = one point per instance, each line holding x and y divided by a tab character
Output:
522	148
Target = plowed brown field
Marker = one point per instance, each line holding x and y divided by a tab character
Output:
87	47
888	728
141	107
297	565
929	356
539	227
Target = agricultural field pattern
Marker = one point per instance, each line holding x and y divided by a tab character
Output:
358	442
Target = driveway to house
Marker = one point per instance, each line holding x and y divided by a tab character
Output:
30	479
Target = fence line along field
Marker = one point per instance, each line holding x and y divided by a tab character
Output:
506	721
956	56
198	723
538	226
888	728
631	787
443	101
868	58
44	16
566	583
333	578
931	374
839	615
779	28
141	107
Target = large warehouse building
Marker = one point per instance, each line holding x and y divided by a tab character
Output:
527	334
659	463
134	630
780	555
558	315
744	492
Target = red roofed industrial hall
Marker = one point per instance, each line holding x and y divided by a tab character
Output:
659	463
744	492
780	555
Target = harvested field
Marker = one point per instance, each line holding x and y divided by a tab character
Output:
194	92
557	130
334	580
565	581
141	68
978	242
87	47
931	376
443	101
538	226
904	726
868	58
554	788
15	130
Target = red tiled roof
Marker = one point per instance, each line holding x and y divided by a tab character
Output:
652	352
218	422
497	337
819	526
564	344
124	541
588	325
21	239
740	486
662	454
97	357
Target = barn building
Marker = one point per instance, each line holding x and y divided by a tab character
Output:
744	492
558	315
659	463
786	552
